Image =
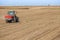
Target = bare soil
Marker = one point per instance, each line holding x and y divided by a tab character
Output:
35	23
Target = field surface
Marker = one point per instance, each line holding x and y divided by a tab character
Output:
35	23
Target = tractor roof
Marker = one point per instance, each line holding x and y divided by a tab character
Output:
11	10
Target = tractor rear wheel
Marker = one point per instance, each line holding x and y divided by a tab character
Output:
16	19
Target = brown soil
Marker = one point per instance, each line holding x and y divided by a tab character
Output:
36	23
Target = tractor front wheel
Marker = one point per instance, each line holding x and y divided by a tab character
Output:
8	21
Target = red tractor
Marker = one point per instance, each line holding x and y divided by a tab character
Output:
11	17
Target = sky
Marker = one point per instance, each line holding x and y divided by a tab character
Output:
28	2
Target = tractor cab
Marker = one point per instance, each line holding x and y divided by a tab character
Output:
11	13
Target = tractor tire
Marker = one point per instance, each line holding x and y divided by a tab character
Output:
16	19
8	21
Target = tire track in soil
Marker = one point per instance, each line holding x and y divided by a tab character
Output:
16	31
5	30
6	25
22	37
52	34
30	33
30	37
57	37
42	34
27	33
13	32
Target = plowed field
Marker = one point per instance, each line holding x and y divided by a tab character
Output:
35	23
